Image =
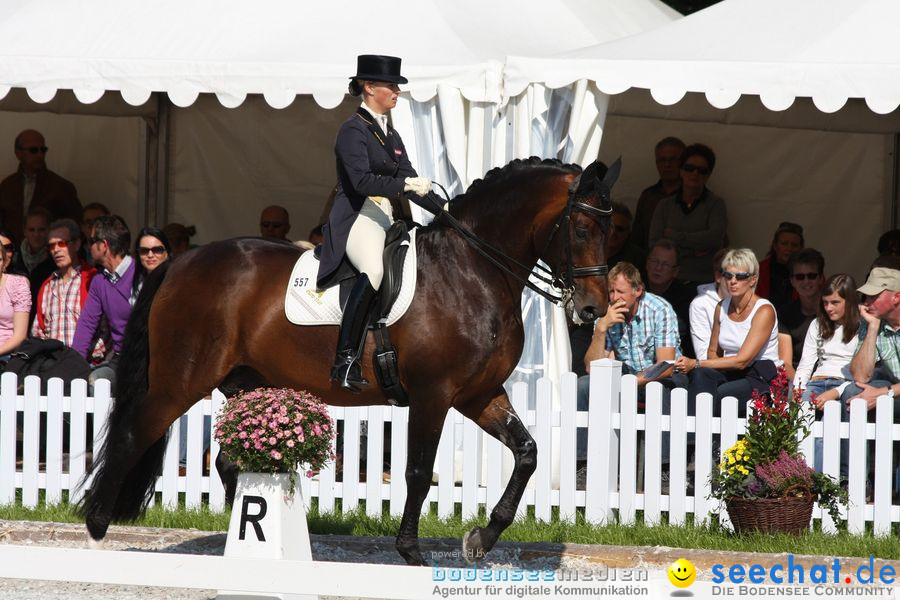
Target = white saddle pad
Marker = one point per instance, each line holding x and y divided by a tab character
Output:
305	305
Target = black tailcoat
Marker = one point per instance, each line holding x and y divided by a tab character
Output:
369	163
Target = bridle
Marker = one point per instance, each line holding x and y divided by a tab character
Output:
562	279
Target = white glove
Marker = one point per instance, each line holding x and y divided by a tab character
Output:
420	186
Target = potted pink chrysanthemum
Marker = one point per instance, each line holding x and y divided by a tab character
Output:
273	430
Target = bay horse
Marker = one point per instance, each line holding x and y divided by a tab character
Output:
216	315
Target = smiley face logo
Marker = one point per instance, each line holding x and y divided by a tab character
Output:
682	573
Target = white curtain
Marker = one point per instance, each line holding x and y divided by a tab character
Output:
458	141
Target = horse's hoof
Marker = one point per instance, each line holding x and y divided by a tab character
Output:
93	544
96	527
411	554
473	547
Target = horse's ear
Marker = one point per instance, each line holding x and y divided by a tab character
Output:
612	173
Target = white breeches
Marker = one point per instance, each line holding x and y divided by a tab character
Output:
365	244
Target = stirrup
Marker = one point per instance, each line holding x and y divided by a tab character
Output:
349	377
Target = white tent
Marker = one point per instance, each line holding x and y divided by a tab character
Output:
166	111
800	104
280	54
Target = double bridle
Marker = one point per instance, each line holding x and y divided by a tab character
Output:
564	280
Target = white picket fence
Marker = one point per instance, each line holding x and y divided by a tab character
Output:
471	469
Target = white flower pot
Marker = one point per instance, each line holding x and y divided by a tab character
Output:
267	522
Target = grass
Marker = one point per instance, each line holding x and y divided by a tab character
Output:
710	537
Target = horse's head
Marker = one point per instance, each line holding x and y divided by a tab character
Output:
585	224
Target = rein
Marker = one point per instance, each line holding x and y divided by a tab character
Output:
564	282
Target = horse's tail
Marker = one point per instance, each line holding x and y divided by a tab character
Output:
138	484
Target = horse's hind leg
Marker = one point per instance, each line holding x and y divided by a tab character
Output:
498	418
421	450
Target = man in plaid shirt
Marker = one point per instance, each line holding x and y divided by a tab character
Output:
639	329
62	295
876	365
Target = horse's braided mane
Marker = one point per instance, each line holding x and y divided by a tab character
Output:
499	175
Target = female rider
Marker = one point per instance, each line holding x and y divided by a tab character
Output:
373	172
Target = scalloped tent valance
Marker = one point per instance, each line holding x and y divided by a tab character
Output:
826	50
282	48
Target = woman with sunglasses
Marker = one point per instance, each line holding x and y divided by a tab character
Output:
694	218
743	345
15	301
152	249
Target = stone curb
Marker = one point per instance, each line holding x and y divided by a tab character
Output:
610	556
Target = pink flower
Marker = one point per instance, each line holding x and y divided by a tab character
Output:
275	454
290	443
272	440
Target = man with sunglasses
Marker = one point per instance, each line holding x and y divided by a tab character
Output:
63	294
34	185
111	295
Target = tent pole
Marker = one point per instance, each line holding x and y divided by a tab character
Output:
157	185
895	182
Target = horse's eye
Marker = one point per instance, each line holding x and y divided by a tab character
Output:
581	233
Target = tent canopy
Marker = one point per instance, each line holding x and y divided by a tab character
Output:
281	48
828	50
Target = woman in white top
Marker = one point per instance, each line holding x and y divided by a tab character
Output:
830	343
743	345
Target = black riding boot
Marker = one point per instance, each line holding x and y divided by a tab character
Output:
353	335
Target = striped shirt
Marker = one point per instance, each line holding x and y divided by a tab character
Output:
654	326
887	347
61	307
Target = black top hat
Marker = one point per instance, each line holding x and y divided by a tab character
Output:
375	67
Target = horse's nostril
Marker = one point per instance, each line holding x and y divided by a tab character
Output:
589	313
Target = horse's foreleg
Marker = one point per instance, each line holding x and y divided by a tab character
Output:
424	434
500	420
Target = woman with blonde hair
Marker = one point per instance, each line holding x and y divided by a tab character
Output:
743	344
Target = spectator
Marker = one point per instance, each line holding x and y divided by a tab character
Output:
315	235
830	343
694	217
807	269
668	164
111	295
15	303
875	366
63	294
639	329
152	249
743	346
618	249
889	243
662	269
774	275
33	260
89	214
179	238
274	223
703	307
33	185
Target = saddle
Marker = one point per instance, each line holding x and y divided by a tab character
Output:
393	257
306	305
